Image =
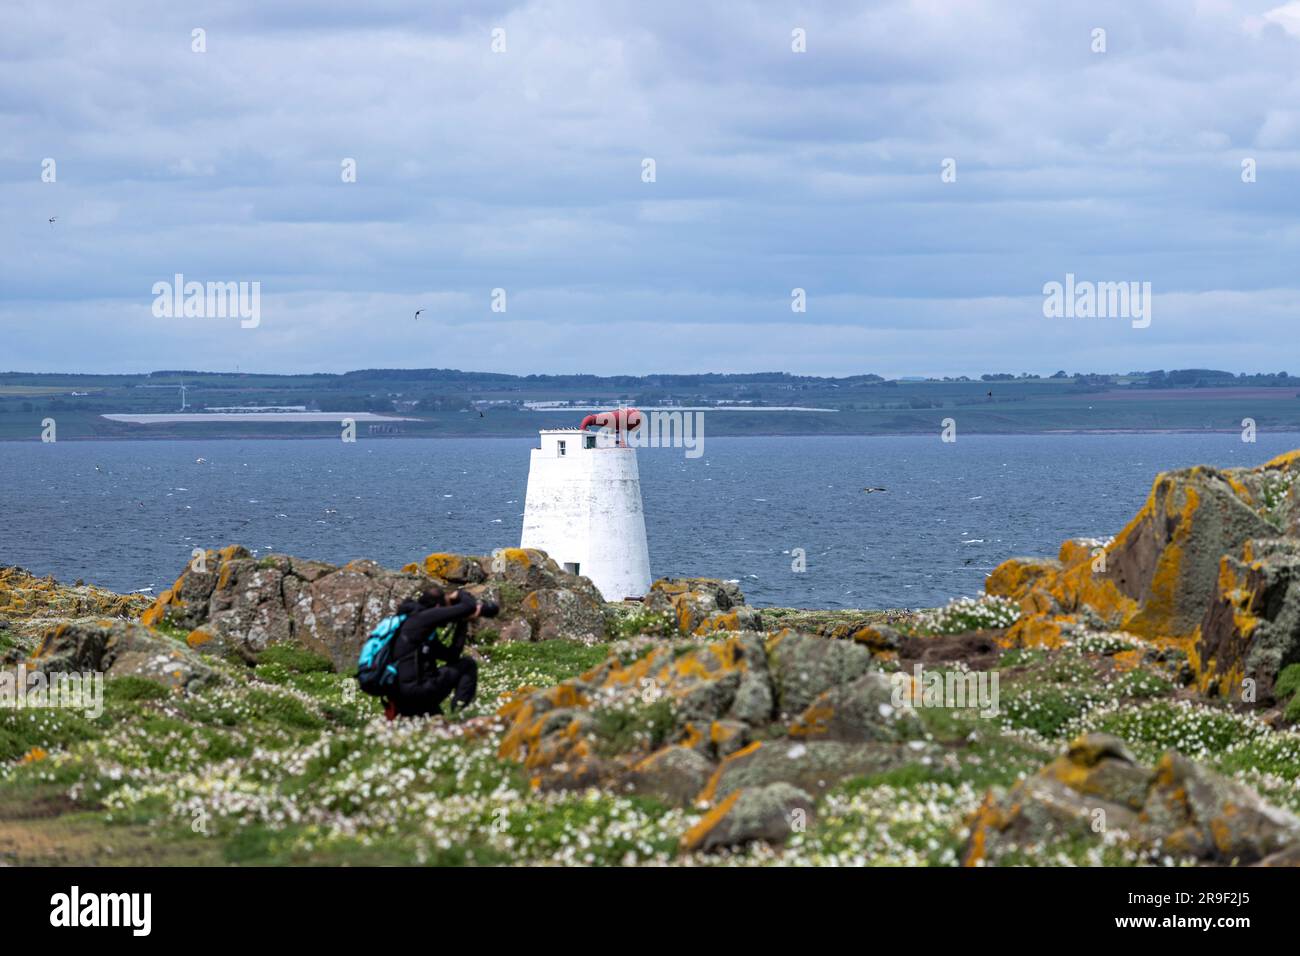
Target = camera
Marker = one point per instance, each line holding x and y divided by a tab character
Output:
489	609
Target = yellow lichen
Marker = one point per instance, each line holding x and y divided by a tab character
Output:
693	838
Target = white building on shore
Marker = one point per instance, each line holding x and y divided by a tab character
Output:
583	508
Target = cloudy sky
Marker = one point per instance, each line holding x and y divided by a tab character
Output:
774	170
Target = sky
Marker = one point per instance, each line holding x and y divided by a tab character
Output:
504	146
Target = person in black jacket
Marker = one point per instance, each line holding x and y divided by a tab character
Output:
429	650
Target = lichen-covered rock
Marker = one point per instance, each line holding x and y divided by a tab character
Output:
754	702
690	691
739	618
771	813
856	712
880	639
702	606
1095	785
814	766
121	648
712	722
1252	627
1193	570
516	630
232	603
724	594
804	666
455	569
539	600
1098	791
560	612
675	773
29	605
728	736
1167	558
1197	813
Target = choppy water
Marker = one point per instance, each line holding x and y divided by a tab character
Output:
127	514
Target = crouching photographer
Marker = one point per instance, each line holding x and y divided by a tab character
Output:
429	653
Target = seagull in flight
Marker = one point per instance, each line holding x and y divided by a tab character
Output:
417	312
52	218
870	490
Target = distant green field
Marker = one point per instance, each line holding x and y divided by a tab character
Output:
28	390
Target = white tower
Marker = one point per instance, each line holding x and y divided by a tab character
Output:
583	508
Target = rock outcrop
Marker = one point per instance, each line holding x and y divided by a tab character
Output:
769	813
750	725
1207	565
1252	626
234	604
1098	791
121	648
703	606
29	605
540	600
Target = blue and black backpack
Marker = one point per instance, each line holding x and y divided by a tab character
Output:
376	667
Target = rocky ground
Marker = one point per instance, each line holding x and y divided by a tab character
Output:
1144	712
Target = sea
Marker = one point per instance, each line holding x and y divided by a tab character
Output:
788	518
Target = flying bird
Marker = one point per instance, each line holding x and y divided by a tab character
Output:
52	218
417	312
870	490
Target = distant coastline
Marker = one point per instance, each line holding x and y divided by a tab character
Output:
791	433
446	403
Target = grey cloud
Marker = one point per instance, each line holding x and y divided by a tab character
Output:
522	171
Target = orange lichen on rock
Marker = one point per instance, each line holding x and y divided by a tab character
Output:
24	597
1035	631
815	721
1026	580
881	644
521	556
710	790
693	838
437	565
529	716
988	816
1284	461
1063	585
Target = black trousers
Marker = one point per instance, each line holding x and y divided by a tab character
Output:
458	680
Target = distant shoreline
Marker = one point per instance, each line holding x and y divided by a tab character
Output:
774	434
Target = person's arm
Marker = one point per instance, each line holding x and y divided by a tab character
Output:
461	629
423	623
